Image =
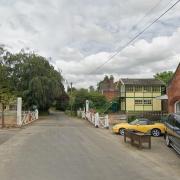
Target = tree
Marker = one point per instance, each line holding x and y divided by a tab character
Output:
91	88
34	79
5	92
62	102
96	99
165	76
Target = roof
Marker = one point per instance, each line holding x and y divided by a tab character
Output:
163	97
178	67
152	81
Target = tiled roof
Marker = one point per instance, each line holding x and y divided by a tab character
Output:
169	83
152	81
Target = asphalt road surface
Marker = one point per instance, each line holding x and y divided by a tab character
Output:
63	148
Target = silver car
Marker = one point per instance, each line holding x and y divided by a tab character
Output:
172	131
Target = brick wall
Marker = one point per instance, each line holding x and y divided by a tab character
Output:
110	94
173	91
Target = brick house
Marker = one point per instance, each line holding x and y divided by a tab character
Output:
109	88
173	92
110	94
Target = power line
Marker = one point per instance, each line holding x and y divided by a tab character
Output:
135	37
142	18
165	6
148	13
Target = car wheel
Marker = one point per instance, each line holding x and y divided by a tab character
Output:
155	132
168	143
121	131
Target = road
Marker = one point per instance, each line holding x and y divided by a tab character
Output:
62	148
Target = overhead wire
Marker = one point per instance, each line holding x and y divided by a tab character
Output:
135	37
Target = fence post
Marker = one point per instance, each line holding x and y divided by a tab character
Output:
36	114
96	120
106	122
87	105
19	111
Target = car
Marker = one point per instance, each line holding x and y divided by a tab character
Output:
172	131
142	125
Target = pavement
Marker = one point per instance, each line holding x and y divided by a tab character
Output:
58	147
7	133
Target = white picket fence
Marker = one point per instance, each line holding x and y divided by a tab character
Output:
95	119
29	116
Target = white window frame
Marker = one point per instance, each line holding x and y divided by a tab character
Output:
175	106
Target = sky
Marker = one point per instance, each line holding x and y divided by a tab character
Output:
80	35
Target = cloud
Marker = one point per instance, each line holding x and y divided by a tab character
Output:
81	35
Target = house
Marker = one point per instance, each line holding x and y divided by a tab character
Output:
139	95
108	88
173	92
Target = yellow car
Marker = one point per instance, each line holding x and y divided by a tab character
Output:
142	125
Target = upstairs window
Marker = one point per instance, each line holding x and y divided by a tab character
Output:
129	89
147	89
156	89
138	88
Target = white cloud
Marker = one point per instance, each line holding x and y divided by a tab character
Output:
80	35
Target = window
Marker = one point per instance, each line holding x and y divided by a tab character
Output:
177	107
177	121
129	88
138	102
147	88
142	122
156	89
143	102
147	102
177	124
170	120
138	88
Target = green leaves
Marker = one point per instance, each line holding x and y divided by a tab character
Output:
165	76
79	97
32	77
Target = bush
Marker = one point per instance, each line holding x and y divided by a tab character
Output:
96	99
131	118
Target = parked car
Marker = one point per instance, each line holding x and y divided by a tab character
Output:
172	132
142	125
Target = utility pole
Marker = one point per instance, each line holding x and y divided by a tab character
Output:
71	97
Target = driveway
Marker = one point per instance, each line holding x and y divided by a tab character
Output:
61	148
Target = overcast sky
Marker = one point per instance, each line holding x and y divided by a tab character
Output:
80	35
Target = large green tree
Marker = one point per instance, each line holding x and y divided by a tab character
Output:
6	94
32	77
165	76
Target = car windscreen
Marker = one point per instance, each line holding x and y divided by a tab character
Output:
134	122
177	118
177	123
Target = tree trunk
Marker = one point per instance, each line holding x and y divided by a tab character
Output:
2	115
